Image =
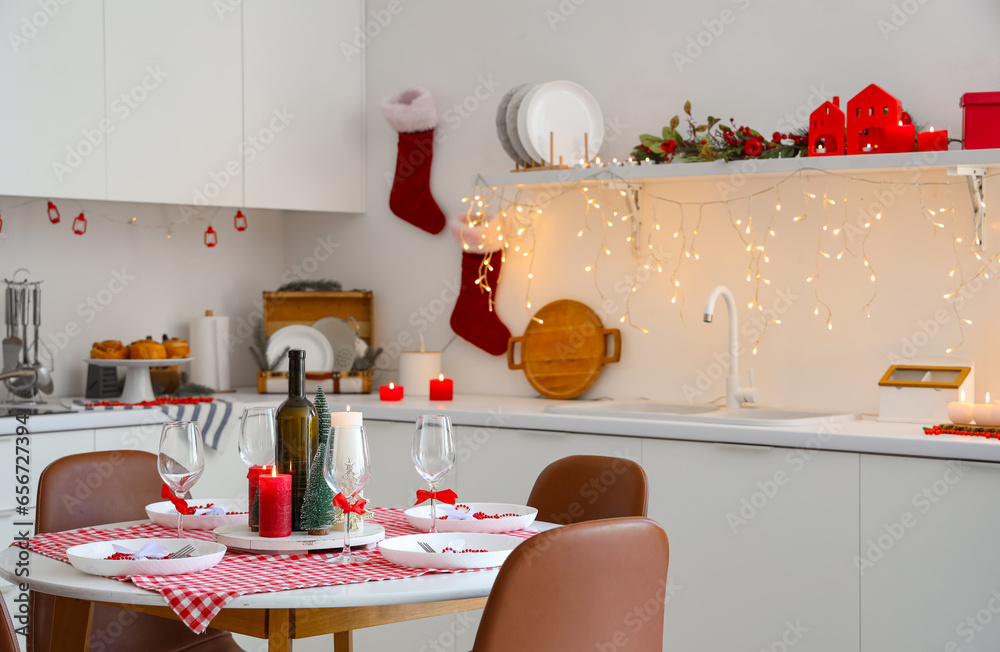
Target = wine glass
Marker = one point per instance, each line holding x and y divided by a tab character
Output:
347	467
257	436
181	460
433	452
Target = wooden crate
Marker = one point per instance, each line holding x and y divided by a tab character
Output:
337	382
286	308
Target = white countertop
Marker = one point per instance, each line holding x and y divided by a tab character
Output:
866	435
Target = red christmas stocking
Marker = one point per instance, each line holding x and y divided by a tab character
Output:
413	114
473	318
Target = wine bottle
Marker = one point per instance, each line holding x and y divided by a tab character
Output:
298	434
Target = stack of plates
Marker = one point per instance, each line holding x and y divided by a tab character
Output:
530	112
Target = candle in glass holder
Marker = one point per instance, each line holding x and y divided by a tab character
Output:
275	505
390	392
253	478
442	389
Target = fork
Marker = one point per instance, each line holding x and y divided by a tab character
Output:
183	552
426	546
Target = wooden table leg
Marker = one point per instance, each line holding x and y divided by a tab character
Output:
343	641
72	634
279	630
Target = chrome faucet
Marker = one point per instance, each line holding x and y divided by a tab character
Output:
735	395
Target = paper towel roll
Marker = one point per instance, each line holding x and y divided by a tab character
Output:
416	368
209	348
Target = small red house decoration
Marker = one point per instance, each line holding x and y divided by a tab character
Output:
826	129
874	124
980	120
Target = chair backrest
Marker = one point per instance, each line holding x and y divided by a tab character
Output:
8	640
588	487
599	585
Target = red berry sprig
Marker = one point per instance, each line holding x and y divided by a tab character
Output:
450	549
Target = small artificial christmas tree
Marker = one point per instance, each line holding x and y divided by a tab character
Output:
317	503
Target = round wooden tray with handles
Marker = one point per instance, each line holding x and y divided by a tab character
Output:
563	349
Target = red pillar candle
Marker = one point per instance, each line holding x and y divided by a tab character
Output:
253	477
442	389
932	141
390	392
275	505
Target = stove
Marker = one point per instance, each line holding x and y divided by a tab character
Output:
31	409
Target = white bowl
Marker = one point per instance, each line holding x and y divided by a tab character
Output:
420	518
404	550
165	514
90	558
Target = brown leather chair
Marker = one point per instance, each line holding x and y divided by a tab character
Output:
8	641
599	585
107	487
588	487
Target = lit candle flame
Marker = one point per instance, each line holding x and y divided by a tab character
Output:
391	385
961	396
274	472
440	376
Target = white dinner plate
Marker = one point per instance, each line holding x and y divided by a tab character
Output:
420	518
342	337
404	550
90	558
165	514
512	110
566	109
502	133
319	353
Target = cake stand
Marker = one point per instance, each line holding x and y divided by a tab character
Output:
138	385
241	538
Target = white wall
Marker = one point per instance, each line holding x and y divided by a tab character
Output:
124	282
762	65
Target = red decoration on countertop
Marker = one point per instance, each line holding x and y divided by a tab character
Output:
970	431
441	389
980	120
80	224
827	125
166	400
446	496
179	503
240	221
390	392
53	213
340	500
875	124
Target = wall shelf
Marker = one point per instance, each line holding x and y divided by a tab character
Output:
753	167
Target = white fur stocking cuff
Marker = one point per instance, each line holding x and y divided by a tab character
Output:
411	110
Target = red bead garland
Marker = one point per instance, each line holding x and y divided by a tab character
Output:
450	549
166	400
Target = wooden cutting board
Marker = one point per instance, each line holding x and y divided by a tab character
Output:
563	349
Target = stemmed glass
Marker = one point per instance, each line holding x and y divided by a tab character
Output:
433	452
181	460
347	467
257	436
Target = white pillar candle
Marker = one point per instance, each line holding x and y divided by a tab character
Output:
982	412
347	418
960	411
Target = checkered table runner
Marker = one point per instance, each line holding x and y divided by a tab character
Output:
198	597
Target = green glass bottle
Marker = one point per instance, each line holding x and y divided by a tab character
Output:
298	434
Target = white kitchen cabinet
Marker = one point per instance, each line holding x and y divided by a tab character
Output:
47	447
929	534
303	105
174	95
761	546
53	132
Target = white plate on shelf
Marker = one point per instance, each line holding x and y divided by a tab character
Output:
404	550
90	558
343	337
319	353
512	121
566	109
165	514
420	518
501	120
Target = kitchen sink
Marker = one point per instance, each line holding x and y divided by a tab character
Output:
655	410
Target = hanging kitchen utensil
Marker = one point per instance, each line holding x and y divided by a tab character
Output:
563	349
11	343
43	378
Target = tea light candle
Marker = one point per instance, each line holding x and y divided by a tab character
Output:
932	141
631	161
253	477
390	392
959	411
442	389
820	149
648	161
867	148
275	505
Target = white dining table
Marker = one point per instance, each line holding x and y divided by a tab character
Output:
280	617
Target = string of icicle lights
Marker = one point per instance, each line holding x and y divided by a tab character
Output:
756	218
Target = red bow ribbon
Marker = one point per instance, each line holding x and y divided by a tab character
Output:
446	496
179	503
358	508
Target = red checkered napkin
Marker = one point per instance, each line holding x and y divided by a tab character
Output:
198	597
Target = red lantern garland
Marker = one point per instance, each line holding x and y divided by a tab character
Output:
211	237
80	224
240	221
53	213
1	224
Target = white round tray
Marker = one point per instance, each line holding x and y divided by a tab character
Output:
240	537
